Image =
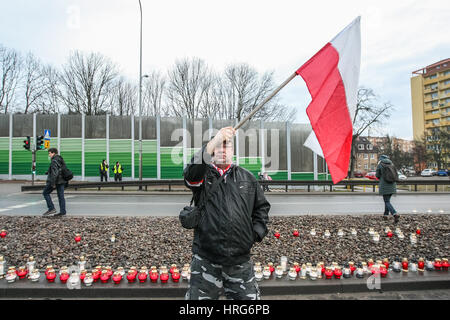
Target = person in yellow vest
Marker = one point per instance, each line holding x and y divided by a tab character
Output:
104	171
118	172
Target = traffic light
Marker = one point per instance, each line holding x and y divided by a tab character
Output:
26	143
39	142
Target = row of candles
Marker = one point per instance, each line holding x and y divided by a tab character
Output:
334	270
102	273
372	233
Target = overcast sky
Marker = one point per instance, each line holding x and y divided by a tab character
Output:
397	38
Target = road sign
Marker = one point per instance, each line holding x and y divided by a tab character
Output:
46	134
46	144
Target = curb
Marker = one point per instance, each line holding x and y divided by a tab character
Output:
393	282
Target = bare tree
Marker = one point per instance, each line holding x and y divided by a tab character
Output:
88	83
34	85
189	80
153	91
369	113
245	89
125	98
10	68
49	101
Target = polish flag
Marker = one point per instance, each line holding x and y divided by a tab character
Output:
331	76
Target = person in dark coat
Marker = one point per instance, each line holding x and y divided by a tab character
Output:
385	188
104	171
234	218
55	181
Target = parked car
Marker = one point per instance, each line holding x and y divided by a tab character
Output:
371	175
427	173
359	174
401	176
442	172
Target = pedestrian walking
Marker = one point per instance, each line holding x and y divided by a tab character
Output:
55	180
118	172
232	215
267	178
104	170
387	173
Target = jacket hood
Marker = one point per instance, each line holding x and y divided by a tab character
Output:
384	159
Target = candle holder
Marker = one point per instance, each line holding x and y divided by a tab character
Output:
383	271
295	233
320	270
184	273
360	273
445	264
421	265
34	275
154	275
297	267
117	277
83	275
121	271
389	234
352	266
328	273
364	267
429	265
347	272
277	235
271	267
109	271
104	276
437	264
95	275
279	272
376	237
327	233
413	267
370	263
256	266
142	276
337	272
418	232
405	265
74	279
82	263
164	276
22	272
292	274
340	233
47	269
31	264
63	269
386	263
313	274
313	232
401	236
396	266
303	272
3	233
371	232
51	275
354	232
131	276
11	276
88	279
77	238
113	238
266	273
259	274
2	267
283	263
134	270
172	267
64	276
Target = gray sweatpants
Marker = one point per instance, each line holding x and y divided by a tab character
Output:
209	281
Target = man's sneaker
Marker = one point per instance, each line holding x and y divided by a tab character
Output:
58	215
396	217
49	213
385	217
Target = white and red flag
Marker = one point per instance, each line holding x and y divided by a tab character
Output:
331	76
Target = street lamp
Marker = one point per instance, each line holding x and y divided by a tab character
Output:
140	98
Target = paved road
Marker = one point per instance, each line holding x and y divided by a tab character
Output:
14	202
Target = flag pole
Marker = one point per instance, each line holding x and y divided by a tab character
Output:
241	123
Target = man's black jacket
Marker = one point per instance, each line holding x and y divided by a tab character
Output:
235	216
54	176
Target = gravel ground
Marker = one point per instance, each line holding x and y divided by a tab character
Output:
156	241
